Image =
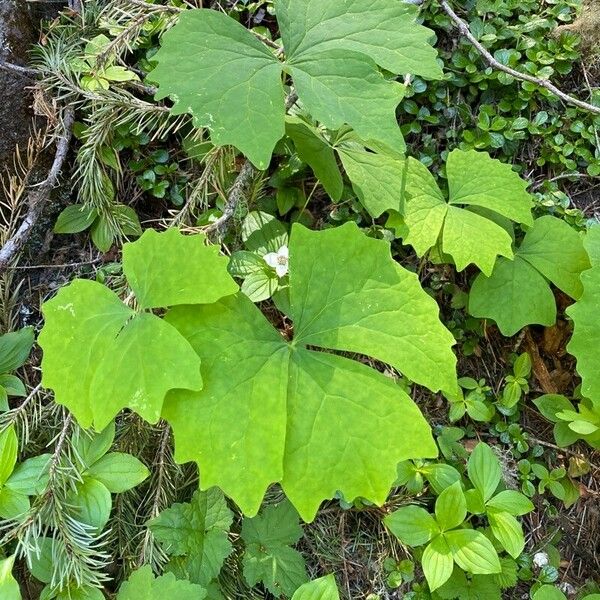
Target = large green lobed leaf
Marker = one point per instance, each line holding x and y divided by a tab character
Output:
213	67
585	343
518	292
276	411
217	70
463	230
101	356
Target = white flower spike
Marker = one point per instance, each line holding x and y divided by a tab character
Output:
279	261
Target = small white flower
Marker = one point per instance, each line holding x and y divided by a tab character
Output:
540	559
279	261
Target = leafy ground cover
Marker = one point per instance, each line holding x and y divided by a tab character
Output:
313	312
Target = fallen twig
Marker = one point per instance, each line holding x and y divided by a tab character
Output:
236	194
464	30
38	195
18	69
240	186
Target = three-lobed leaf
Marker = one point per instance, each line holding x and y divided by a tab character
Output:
143	585
477	185
316	422
269	557
232	84
101	356
195	535
517	293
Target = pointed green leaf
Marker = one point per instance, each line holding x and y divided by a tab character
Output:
551	404
484	470
383	29
319	589
377	179
9	588
508	531
118	368
269	557
440	476
9	448
12	385
195	534
586	335
184	270
451	507
263	233
512	502
437	563
475	503
476	179
75	218
216	69
412	525
13	504
90	446
473	552
118	471
263	396
15	348
583	427
90	503
556	250
142	585
514	295
31	476
317	153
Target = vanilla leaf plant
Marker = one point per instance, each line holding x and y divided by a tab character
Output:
250	407
474	224
334	52
101	356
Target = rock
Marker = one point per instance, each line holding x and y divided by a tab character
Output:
17	34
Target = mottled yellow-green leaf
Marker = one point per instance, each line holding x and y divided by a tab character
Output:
518	293
184	270
471	225
318	423
585	343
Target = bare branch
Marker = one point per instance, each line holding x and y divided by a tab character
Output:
38	196
240	186
238	191
544	83
18	69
